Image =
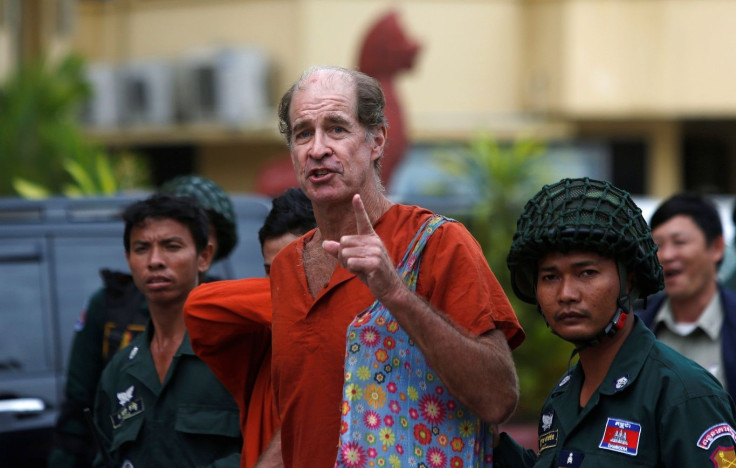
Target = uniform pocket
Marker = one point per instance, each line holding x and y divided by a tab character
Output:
207	420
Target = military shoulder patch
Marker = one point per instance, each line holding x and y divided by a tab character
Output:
723	457
79	324
621	436
714	432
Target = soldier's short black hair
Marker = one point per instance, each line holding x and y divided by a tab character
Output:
291	212
700	208
185	210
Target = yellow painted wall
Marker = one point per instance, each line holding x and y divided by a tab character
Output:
466	75
467	72
121	31
235	166
624	58
482	60
498	65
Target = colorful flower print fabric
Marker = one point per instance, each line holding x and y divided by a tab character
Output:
396	412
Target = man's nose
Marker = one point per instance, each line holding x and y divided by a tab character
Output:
155	258
569	290
319	148
664	251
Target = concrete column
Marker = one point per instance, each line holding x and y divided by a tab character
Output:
664	164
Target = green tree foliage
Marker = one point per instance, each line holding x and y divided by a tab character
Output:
42	148
507	176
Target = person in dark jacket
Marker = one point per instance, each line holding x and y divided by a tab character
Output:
695	315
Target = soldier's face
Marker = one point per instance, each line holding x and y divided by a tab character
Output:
163	260
577	293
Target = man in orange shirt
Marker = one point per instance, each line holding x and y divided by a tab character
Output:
229	324
391	336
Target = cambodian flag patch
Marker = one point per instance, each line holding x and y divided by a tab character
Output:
621	436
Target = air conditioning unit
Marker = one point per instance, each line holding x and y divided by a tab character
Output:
146	93
224	86
101	110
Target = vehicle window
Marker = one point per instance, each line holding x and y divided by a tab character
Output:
78	261
246	261
24	342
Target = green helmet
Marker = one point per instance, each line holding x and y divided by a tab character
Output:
217	204
583	214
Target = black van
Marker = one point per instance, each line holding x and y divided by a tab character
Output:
51	253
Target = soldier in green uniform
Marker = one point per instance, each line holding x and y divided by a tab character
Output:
158	404
583	253
117	313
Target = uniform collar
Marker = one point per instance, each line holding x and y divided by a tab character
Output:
629	360
139	361
625	367
185	348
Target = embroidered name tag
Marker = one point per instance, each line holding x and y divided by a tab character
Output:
127	411
621	436
714	432
547	440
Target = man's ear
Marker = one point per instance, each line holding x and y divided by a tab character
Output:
379	142
630	279
718	247
204	259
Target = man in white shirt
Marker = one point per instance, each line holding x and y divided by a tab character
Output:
696	315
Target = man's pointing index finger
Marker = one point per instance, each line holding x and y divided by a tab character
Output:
362	221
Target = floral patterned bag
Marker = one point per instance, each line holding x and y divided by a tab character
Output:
396	412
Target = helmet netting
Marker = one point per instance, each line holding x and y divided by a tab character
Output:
583	214
217	204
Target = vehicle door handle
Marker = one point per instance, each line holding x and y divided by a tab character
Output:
18	254
22	406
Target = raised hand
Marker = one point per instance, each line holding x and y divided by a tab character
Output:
365	255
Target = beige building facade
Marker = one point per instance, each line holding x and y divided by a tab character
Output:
653	79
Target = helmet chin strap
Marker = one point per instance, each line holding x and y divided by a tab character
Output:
617	323
623	307
618	320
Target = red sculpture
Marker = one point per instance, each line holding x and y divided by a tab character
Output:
386	51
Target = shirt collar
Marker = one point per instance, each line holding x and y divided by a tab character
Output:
184	348
624	370
625	367
710	321
629	360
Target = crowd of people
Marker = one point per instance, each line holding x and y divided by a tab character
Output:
379	335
